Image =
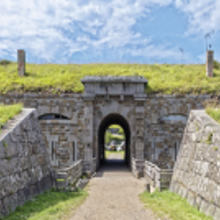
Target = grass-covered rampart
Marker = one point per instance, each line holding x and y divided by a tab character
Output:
7	112
55	78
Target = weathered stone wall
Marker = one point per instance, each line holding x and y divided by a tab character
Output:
196	174
156	123
58	132
165	121
25	169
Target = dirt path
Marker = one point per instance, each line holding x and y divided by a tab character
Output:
113	195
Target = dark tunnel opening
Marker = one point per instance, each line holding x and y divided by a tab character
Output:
106	122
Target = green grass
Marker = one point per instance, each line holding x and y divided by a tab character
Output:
56	78
214	113
114	153
51	205
7	112
117	137
168	204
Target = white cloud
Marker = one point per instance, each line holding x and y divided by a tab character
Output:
56	28
159	51
203	15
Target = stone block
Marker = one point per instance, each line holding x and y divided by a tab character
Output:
3	168
203	206
2	151
216	213
1	209
197	202
191	198
21	197
9	148
210	209
184	193
3	183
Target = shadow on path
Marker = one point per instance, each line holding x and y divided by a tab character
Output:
113	167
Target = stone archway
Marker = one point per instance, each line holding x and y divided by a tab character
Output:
105	123
114	100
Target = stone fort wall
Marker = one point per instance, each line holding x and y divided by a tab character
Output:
157	122
25	169
196	174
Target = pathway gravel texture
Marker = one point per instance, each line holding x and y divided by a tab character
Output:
113	195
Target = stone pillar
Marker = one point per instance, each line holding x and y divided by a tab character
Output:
209	63
21	62
139	135
88	136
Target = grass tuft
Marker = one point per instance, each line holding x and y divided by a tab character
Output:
171	205
7	112
209	138
214	113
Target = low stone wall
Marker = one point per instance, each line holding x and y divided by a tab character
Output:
24	162
137	167
196	174
157	178
69	175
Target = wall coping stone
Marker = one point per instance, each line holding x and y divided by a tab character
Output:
82	95
179	96
201	115
114	79
37	95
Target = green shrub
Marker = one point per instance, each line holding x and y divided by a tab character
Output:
216	64
5	62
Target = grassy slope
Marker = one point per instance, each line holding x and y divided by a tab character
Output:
55	78
168	204
8	112
49	206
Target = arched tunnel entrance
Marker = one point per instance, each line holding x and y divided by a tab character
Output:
106	122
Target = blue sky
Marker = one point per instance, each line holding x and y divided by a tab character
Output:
91	31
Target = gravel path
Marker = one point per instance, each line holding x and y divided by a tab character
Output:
113	195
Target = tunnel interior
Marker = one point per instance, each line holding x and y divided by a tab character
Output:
106	122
